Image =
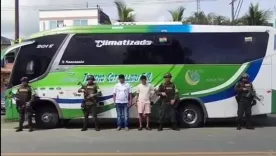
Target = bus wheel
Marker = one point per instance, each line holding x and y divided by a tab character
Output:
47	117
191	116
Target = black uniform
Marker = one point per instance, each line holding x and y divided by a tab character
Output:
23	104
89	105
245	100
170	90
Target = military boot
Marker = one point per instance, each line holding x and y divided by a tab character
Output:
175	127
239	127
160	128
19	129
84	129
97	127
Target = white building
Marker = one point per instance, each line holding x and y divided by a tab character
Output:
50	19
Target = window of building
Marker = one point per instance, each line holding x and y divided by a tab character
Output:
80	22
84	22
53	24
274	42
43	25
169	48
60	23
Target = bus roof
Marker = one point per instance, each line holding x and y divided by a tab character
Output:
149	28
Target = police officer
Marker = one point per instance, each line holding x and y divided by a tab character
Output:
245	98
91	93
23	104
168	94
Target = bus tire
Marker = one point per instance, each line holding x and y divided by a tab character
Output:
191	116
46	117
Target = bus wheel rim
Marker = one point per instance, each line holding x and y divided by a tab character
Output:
190	116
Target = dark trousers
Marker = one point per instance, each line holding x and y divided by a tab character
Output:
24	111
122	114
87	110
167	108
244	108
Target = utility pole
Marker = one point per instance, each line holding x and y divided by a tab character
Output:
198	6
233	10
16	17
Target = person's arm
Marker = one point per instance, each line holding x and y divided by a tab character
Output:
17	96
160	91
176	93
81	89
137	94
99	92
130	95
238	88
114	94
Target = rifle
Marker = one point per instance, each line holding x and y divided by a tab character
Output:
83	101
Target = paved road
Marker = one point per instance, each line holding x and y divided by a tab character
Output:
218	137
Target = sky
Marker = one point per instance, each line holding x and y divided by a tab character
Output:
145	10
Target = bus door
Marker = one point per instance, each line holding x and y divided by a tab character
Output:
274	81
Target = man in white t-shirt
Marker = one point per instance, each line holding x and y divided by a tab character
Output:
122	99
144	93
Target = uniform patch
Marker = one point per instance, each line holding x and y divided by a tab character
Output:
23	90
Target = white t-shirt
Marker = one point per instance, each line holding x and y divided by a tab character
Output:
145	92
122	92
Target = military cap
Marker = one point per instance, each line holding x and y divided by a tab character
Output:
24	79
168	75
91	77
244	75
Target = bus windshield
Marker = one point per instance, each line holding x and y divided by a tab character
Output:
34	58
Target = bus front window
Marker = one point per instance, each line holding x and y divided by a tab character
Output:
33	60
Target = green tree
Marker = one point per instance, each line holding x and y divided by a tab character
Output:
197	18
214	19
254	16
177	15
211	19
124	13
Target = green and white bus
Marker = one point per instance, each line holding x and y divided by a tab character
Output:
205	61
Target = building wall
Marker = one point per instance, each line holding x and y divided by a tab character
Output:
68	17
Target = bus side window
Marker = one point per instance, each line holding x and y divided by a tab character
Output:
30	68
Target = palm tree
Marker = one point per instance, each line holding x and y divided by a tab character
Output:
177	15
124	13
197	18
254	16
214	19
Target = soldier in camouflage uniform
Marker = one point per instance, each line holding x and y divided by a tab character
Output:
23	104
245	98
91	93
168	94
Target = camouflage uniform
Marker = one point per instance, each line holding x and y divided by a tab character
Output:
170	90
89	105
23	104
245	98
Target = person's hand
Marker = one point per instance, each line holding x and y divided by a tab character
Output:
27	104
172	102
163	94
244	89
129	104
90	96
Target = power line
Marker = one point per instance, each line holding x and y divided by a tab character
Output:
137	2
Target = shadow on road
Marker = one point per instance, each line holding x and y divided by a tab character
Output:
259	122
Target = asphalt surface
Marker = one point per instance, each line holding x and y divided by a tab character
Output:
217	138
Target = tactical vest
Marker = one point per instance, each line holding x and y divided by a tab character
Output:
90	89
169	89
24	94
246	95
